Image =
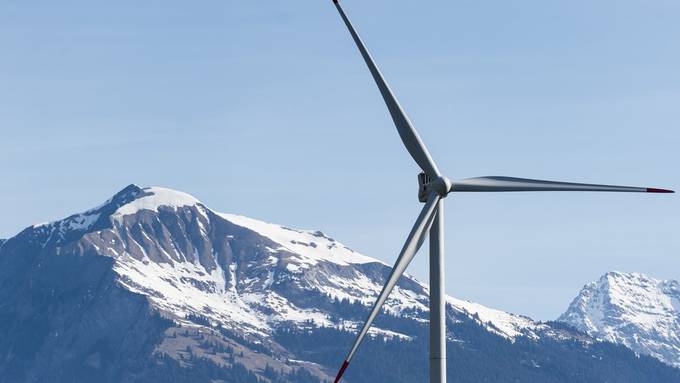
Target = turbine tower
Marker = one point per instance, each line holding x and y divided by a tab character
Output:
433	188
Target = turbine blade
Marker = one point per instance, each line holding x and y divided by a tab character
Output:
409	135
413	242
511	184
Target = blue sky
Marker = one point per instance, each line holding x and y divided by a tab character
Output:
264	108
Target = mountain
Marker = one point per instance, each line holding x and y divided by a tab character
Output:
631	309
152	285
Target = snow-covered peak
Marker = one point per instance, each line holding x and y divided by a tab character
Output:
151	198
642	300
307	246
129	200
633	309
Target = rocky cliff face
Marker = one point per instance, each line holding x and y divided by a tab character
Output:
632	309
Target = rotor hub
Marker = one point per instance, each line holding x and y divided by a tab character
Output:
427	185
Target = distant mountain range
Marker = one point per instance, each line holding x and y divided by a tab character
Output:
152	285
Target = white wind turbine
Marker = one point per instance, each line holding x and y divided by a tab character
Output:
434	187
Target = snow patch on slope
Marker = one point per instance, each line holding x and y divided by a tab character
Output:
502	323
185	288
311	246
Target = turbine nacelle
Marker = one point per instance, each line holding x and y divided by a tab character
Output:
441	185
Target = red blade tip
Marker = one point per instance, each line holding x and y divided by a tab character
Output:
342	371
654	190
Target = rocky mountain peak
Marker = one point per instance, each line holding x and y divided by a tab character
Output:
125	195
632	309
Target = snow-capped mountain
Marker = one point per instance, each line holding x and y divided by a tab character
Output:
238	271
153	285
632	309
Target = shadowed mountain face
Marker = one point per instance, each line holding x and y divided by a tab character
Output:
152	285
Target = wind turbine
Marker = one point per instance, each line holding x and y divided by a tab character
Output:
433	188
